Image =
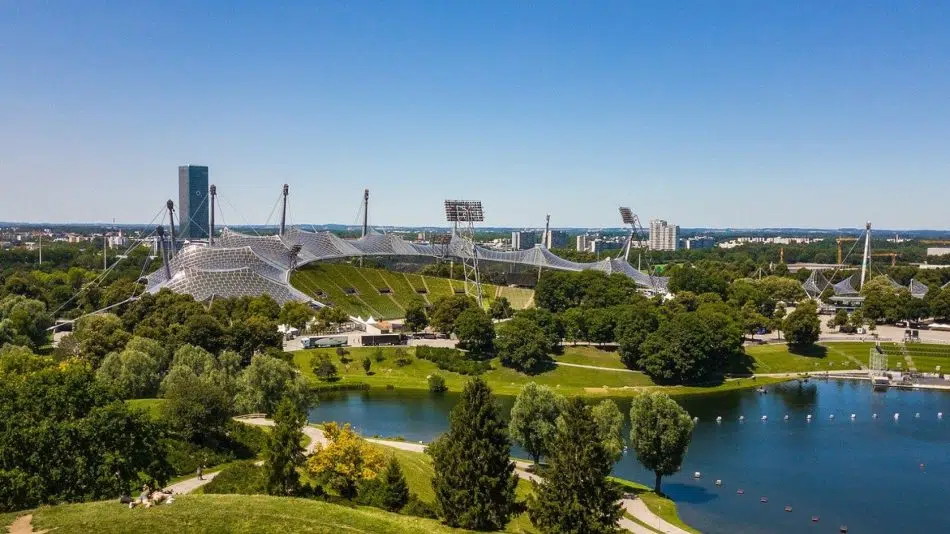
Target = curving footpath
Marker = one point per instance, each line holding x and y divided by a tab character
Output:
631	505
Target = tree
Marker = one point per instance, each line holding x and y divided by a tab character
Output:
914	309
203	330
690	278
840	319
802	327
690	347
600	325
322	367
475	331
940	303
574	321
752	320
194	408
395	487
474	478
254	334
198	360
881	300
416	319
268	381
295	314
533	419
24	322
344	461
634	324
284	453
445	310
500	309
576	495
367	364
609	421
522	344
99	335
660	434
130	374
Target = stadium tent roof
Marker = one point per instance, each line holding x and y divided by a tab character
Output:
917	289
239	264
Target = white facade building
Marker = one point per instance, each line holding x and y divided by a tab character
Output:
664	236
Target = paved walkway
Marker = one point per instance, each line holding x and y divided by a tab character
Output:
582	366
190	485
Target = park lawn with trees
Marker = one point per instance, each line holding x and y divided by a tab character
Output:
587	355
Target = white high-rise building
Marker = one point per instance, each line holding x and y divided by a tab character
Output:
664	236
523	240
582	243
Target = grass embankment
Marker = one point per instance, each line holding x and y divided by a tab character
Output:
504	381
252	514
386	294
153	407
658	504
830	356
925	357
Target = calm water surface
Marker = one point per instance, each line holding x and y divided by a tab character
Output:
864	473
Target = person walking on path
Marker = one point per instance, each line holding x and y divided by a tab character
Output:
199	473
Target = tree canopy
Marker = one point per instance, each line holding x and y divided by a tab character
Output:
660	433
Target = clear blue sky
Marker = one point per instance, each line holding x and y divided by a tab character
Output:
755	113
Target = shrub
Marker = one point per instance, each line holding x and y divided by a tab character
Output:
367	364
419	508
437	384
322	367
402	358
452	360
242	478
378	355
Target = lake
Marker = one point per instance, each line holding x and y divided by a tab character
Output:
873	475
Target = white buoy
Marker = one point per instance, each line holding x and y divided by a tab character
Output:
695	419
765	418
917	415
718	482
873	416
853	416
939	415
719	419
697	474
832	416
786	417
741	418
897	416
808	417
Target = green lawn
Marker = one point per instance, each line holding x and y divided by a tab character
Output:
658	504
926	356
252	514
777	358
153	407
503	381
334	283
585	355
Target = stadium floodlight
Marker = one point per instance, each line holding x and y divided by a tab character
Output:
464	211
627	215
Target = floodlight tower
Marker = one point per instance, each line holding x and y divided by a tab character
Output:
283	209
467	212
214	194
171	223
867	252
636	233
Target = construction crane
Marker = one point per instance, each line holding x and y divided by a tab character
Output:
841	240
893	256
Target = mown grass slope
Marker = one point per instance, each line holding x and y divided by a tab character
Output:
207	514
386	294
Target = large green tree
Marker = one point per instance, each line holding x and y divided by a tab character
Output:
802	327
266	382
99	335
523	345
24	322
690	347
660	433
533	419
445	310
609	421
130	374
475	331
416	319
576	496
284	454
295	314
474	478
940	303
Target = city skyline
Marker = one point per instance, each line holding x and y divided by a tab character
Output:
739	116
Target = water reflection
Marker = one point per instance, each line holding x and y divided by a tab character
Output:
830	468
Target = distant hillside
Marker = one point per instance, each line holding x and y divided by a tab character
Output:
386	294
251	514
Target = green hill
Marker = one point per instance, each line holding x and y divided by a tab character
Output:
257	514
386	294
